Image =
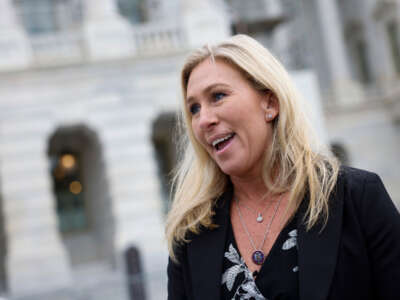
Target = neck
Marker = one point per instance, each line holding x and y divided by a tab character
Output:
249	189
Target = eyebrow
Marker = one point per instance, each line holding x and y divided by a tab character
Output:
207	90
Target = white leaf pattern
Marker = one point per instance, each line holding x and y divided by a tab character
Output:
290	242
230	276
233	255
251	291
248	288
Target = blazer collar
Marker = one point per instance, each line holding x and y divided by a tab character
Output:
206	252
318	251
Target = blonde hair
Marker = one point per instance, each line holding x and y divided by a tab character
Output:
292	162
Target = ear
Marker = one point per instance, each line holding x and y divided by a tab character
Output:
270	105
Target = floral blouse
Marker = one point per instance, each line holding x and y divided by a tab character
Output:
276	280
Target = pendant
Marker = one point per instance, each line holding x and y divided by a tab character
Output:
258	257
260	218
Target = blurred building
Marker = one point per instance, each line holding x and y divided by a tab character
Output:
88	93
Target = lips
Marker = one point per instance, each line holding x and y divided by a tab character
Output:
221	142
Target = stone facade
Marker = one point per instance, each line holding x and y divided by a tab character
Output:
98	85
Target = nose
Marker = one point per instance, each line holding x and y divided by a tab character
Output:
207	118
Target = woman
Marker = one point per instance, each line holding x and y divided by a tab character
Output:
259	211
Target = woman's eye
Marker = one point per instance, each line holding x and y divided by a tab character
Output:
194	108
218	96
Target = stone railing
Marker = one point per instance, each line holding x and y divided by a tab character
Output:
70	47
153	39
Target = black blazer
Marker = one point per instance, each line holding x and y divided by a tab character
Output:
355	256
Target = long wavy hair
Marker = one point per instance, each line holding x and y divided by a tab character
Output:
294	162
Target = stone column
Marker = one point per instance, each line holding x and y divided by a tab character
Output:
383	69
108	35
385	66
15	51
204	21
306	82
37	263
342	88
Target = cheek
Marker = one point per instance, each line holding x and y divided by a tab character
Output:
196	132
259	134
253	122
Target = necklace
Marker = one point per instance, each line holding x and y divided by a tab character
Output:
258	255
259	214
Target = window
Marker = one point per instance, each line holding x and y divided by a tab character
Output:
362	61
393	35
358	51
45	16
132	10
165	150
67	182
82	200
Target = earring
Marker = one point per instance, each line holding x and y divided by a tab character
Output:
269	116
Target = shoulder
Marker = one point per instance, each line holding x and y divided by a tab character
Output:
356	178
359	185
364	193
370	225
364	196
368	206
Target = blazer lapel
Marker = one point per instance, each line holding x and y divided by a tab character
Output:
318	251
206	252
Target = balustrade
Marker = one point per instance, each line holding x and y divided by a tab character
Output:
156	39
68	47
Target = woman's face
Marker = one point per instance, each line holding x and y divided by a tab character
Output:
229	117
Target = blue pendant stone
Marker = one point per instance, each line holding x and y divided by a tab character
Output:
258	257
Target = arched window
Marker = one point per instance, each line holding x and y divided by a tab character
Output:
393	33
164	141
81	195
358	50
386	13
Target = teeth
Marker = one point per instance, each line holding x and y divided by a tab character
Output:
217	141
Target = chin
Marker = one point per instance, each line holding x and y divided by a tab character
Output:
241	170
232	170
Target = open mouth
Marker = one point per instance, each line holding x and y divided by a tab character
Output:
221	143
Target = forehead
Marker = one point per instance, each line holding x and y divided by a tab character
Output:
209	73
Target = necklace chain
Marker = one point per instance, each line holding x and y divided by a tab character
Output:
258	255
259	214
